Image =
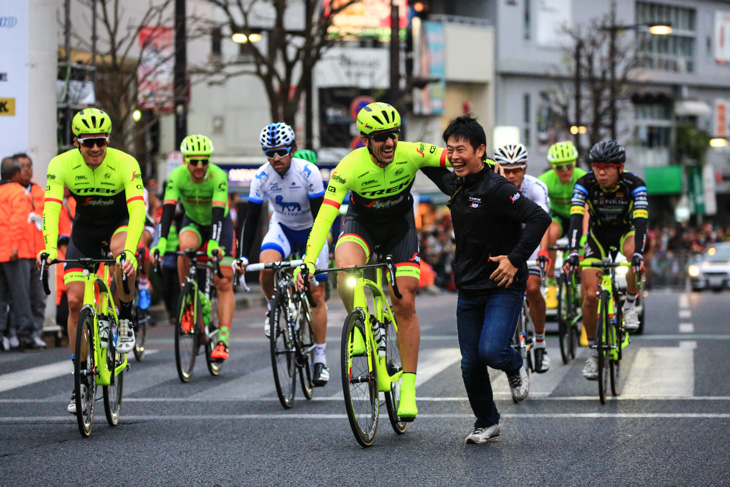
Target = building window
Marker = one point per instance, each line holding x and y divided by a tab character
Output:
653	125
673	52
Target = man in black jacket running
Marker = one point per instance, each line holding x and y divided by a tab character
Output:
492	247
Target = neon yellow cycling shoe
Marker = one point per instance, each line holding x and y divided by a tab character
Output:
407	410
551	297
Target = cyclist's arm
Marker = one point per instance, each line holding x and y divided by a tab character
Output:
577	211
315	204
134	193
53	204
248	232
220	203
169	202
333	197
640	216
316	189
540	196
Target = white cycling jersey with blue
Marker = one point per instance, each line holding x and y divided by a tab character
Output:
288	195
536	191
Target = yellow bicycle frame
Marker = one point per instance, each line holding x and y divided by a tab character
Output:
607	285
381	311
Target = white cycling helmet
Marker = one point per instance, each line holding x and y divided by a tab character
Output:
276	135
511	155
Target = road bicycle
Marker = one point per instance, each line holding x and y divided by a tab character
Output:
611	338
569	310
291	341
370	358
196	326
96	360
141	318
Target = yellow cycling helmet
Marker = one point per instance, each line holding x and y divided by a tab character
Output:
561	152
377	117
91	121
196	144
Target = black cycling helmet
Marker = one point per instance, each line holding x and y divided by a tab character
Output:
607	150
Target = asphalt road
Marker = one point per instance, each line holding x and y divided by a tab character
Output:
670	426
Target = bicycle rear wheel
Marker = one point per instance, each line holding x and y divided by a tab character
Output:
140	318
359	379
519	343
393	364
211	333
113	393
186	331
602	345
304	342
283	359
85	377
564	318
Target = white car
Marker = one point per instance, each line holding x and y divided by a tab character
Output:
712	271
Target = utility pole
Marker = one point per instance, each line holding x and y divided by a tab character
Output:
612	63
180	78
394	54
307	79
578	54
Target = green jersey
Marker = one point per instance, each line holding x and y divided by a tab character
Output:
198	199
560	194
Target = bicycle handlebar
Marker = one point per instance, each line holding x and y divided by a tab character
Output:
87	261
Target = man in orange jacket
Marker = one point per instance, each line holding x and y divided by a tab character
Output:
15	249
36	195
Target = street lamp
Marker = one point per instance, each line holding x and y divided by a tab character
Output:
656	28
718	142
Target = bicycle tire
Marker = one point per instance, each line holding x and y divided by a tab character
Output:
529	337
140	317
642	314
186	331
304	340
393	365
87	376
359	379
564	319
617	340
211	333
601	344
113	394
283	359
519	343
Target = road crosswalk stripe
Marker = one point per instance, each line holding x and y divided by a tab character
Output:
686	328
676	364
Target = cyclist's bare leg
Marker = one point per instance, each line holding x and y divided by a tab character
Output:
554	232
75	296
348	254
188	240
226	300
319	314
266	276
628	251
590	281
117	246
409	331
536	302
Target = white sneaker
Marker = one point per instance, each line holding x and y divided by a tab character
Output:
590	369
483	435
71	408
39	343
125	337
519	384
5	344
267	326
631	320
14	342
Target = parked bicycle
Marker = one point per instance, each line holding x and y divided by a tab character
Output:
290	334
96	360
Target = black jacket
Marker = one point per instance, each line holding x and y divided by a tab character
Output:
488	212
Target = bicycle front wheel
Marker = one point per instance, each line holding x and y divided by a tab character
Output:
85	372
113	393
359	379
283	359
393	365
186	331
140	319
602	346
615	339
304	342
211	332
564	318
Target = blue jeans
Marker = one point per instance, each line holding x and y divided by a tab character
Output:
485	325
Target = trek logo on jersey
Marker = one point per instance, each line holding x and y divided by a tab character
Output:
391	190
515	197
94	190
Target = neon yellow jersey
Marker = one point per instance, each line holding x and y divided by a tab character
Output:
376	193
109	193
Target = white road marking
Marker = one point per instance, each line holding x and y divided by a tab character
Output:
252	385
664	371
683	301
686	328
685	314
434	361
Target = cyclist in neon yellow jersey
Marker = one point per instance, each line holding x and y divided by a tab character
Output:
202	188
379	177
559	181
107	186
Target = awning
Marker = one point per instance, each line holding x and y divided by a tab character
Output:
693	108
665	180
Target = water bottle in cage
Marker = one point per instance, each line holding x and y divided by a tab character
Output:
104	327
378	335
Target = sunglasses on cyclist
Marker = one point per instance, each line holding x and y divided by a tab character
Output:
383	136
270	153
563	167
90	142
602	166
199	161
